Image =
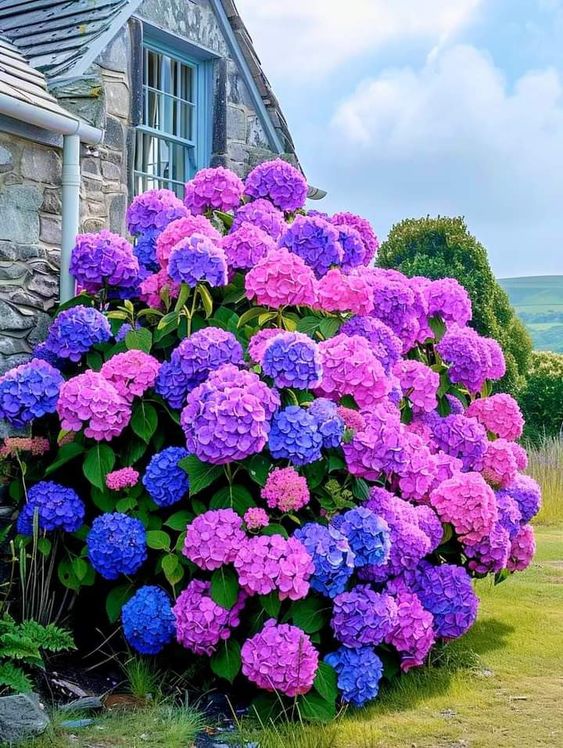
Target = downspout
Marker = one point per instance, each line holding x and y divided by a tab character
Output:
70	212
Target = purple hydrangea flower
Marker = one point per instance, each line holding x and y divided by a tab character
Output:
198	260
363	617
246	246
124	330
468	363
164	479
74	331
526	493
367	534
315	241
379	447
463	438
394	304
279	182
116	545
329	422
57	508
384	343
408	546
214	538
29	391
193	360
103	259
429	522
153	210
510	516
332	557
295	436
449	300
413	635
145	251
213	189
262	214
365	230
292	359
280	658
353	247
491	553
148	621
359	672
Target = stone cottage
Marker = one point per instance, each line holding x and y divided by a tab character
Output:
100	100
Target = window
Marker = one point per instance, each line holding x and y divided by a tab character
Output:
171	139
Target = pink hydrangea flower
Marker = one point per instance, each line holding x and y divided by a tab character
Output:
181	229
499	414
246	246
413	634
286	490
90	400
268	563
213	189
280	658
445	467
258	342
117	480
448	299
153	286
353	419
255	518
489	555
417	475
132	373
36	445
419	384
351	368
522	549
338	292
379	447
468	503
499	463
520	455
200	622
281	278
214	538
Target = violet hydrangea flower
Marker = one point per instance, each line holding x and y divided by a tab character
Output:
165	481
378	448
522	549
103	259
292	359
364	229
57	508
489	555
262	214
295	436
463	438
315	241
197	260
258	342
29	391
116	545
329	422
526	493
385	345
413	635
279	182
144	250
363	617
367	534
214	538
332	556
449	300
359	673
74	331
153	210
180	229
419	383
446	591
353	246
148	621
213	189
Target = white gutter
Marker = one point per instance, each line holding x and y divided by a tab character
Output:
73	131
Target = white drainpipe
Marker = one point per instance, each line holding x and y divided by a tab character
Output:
73	131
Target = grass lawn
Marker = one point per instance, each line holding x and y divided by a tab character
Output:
500	685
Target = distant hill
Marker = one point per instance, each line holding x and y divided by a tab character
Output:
538	301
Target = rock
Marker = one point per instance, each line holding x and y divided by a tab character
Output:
19	221
41	164
83	704
236	123
21	716
117	97
6	159
111	171
50	229
12	319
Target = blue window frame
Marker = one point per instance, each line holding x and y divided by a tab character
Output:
172	140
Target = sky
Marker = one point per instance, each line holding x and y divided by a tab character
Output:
407	108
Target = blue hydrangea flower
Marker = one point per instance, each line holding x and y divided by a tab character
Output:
42	353
57	508
29	391
193	360
165	481
385	344
148	621
447	592
352	245
332	556
359	672
145	251
74	331
292	359
331	425
197	259
295	436
368	535
363	617
123	331
117	544
315	241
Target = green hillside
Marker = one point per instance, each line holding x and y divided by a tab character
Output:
538	301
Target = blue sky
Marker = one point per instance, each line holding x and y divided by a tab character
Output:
403	108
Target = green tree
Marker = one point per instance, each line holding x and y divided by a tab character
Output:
443	248
541	399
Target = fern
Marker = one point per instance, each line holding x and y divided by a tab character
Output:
16	646
50	638
14	678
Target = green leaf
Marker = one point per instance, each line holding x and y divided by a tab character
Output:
360	489
158	540
201	474
103	499
308	325
335	462
168	324
144	421
80	568
126	504
234	497
315	473
325	683
139	340
274	529
226	218
251	314
226	661
271	604
179	520
116	599
438	327
66	575
14	678
313	708
309	614
65	454
258	468
172	569
44	546
329	327
183	296
94	361
98	463
206	299
134	450
224	587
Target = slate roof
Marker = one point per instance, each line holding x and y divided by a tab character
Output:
20	81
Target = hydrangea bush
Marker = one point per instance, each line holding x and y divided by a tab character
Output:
265	452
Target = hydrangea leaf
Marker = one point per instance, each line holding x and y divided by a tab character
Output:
98	463
224	587
158	540
313	708
139	340
325	682
201	474
144	421
226	661
235	497
65	454
310	614
116	599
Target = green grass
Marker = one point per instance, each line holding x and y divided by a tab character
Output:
533	297
545	464
501	685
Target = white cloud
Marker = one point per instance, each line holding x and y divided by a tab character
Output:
313	37
455	138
